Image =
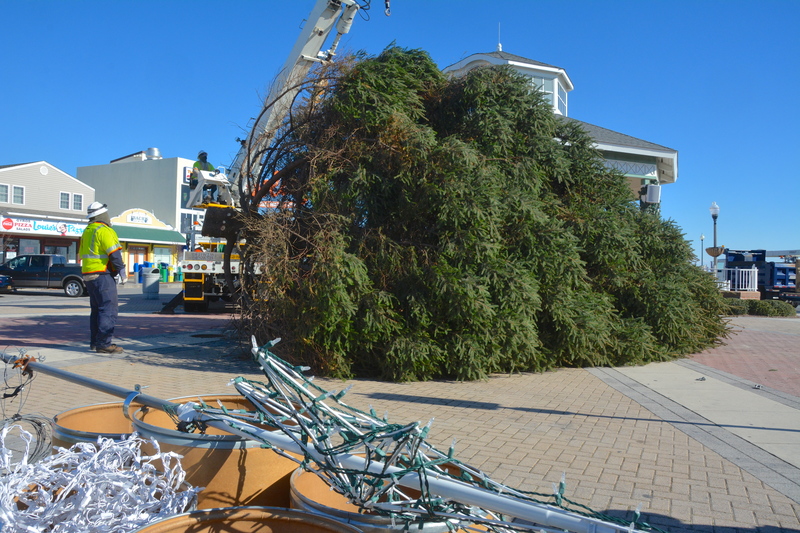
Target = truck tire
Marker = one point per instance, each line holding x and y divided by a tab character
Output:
73	288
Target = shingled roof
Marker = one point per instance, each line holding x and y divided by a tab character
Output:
505	56
520	59
607	136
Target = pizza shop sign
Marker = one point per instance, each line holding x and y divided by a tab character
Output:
42	227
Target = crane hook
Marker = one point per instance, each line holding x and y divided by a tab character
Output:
388	10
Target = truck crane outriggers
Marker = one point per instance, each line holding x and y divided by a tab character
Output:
210	275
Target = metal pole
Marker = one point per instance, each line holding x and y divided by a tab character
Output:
714	259
714	210
715	229
143	399
702	248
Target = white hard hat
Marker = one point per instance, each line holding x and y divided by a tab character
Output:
201	152
96	208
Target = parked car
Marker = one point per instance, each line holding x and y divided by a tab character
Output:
46	271
6	284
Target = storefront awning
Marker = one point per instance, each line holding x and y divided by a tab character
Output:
148	235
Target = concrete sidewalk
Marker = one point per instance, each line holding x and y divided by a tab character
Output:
694	442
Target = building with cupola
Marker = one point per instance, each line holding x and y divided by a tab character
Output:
646	165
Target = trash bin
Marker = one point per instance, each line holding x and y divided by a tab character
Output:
150	283
144	267
162	270
179	274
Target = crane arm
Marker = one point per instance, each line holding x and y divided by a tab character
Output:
326	16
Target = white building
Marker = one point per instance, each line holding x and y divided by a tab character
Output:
145	180
42	210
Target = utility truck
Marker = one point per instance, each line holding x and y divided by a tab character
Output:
204	278
209	275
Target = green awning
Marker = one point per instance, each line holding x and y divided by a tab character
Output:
149	235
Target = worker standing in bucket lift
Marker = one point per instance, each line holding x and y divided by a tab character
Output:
209	191
102	267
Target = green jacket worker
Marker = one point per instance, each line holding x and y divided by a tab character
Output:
209	191
102	265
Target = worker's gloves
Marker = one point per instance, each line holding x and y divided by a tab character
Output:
121	279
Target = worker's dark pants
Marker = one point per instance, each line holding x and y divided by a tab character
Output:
103	300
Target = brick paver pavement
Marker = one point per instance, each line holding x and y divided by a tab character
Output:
763	350
522	430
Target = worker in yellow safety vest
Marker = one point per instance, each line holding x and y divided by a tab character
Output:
209	191
102	267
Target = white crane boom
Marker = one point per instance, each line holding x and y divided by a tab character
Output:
307	51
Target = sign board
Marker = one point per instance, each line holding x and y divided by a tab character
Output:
33	226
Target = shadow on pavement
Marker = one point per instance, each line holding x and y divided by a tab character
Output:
673	525
220	353
59	293
56	330
490	406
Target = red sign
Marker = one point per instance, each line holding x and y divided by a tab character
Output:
8	224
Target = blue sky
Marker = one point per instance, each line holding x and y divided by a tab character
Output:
89	81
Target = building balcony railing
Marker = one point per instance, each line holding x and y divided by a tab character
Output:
737	279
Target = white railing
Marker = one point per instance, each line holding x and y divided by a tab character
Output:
738	279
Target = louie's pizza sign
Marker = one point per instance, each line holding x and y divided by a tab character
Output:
41	227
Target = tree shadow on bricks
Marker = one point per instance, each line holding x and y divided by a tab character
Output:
491	406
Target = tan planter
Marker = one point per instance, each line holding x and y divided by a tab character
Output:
310	493
234	471
248	520
86	424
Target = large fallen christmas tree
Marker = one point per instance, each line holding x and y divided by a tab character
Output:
429	227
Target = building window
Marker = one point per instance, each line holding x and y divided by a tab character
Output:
546	86
18	195
29	246
162	255
3	193
64	200
77	202
562	100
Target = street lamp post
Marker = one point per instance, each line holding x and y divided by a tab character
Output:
702	238
714	209
715	251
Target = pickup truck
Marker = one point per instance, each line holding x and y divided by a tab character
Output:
44	270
